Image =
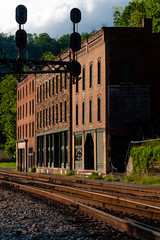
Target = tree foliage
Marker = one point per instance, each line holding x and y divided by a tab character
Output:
40	46
135	11
8	112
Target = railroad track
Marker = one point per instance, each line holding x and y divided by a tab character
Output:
82	195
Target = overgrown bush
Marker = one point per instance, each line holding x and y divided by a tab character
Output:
144	156
33	170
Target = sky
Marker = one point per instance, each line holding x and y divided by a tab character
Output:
53	16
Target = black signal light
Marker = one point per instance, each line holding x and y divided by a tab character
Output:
21	14
75	15
21	38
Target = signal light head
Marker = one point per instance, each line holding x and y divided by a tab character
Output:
21	38
75	15
21	14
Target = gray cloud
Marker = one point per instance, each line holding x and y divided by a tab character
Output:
53	16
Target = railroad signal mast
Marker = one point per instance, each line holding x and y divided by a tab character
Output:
16	66
21	35
75	41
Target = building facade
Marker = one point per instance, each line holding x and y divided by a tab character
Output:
53	122
117	99
87	126
25	145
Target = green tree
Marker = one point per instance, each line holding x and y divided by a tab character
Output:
135	11
48	56
8	112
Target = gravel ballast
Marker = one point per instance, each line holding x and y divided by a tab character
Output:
26	216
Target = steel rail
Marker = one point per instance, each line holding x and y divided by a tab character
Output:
140	190
121	224
115	202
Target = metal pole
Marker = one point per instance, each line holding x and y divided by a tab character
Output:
19	50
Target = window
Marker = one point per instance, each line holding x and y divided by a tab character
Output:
26	130
20	113
26	109
65	80
37	120
43	118
23	110
76	114
126	70
46	117
90	75
56	113
23	131
60	82
40	93
32	129
99	72
32	106
90	111
60	112
18	94
26	90
76	85
65	111
99	109
49	87
43	91
53	86
32	85
83	78
37	94
23	92
20	132
40	125
83	112
56	83
46	89
49	116
53	115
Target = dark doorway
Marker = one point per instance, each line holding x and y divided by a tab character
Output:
119	147
57	149
21	159
89	152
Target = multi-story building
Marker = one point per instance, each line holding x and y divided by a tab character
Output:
25	145
117	98
88	127
53	121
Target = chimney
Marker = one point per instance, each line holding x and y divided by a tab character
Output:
147	24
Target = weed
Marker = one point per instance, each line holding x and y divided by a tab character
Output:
33	170
96	176
70	173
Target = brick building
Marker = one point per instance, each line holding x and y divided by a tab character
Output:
25	145
118	98
53	121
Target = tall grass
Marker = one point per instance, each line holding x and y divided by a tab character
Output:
153	180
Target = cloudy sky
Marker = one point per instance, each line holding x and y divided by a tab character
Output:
53	16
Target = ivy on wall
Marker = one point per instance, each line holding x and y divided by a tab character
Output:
144	156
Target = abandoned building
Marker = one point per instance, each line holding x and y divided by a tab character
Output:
25	145
116	100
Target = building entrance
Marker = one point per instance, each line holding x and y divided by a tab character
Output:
89	152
